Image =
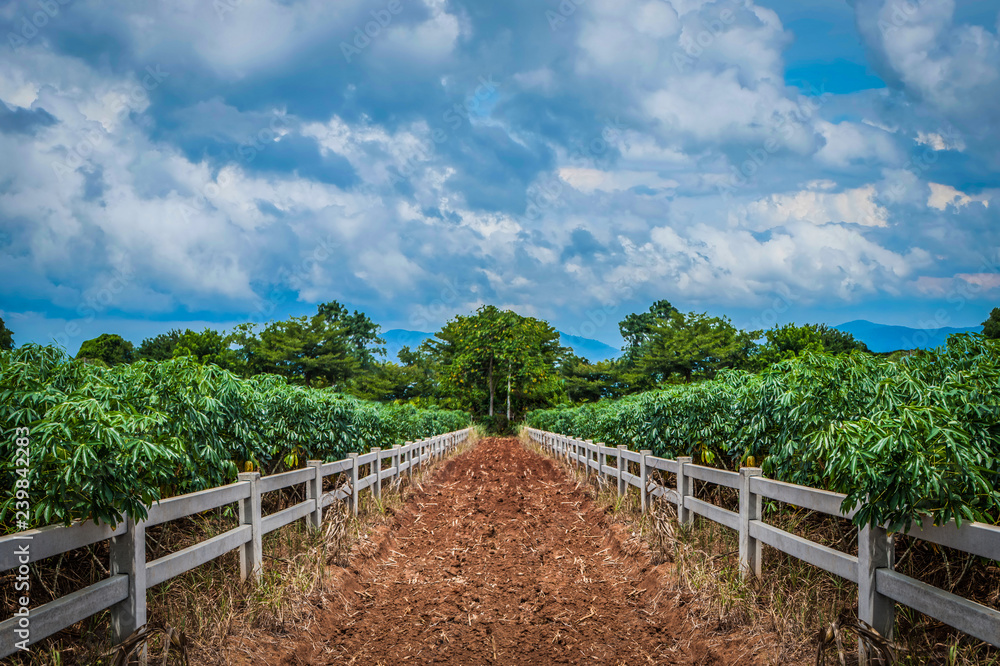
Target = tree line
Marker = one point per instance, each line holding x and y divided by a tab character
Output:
493	363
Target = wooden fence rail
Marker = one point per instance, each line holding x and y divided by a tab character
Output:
124	591
879	586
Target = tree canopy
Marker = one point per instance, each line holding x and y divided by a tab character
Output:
991	327
109	348
6	336
495	351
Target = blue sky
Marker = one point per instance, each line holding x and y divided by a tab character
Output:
194	163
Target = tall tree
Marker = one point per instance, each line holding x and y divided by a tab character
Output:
109	348
494	347
790	340
991	327
308	349
693	344
362	332
209	346
160	347
637	328
6	337
584	381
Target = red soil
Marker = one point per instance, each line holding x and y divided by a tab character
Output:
500	558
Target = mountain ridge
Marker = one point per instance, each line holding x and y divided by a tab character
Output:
592	350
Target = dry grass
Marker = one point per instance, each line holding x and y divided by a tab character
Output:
216	613
795	607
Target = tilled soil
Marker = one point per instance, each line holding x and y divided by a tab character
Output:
500	558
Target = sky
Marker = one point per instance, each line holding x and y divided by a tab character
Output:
194	163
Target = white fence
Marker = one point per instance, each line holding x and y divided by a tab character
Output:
879	586
124	591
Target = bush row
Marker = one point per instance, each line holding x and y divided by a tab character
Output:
903	438
104	441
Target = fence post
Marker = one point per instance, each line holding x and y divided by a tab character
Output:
314	491
875	551
644	479
354	483
591	451
128	557
750	551
376	467
251	553
408	456
684	516
622	464
395	460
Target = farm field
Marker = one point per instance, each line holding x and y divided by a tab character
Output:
502	558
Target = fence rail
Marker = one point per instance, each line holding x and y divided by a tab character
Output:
879	586
124	591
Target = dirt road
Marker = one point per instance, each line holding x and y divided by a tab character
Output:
500	559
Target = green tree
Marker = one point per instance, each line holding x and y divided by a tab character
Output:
209	346
637	328
160	347
362	332
991	327
584	381
789	341
307	349
839	342
496	351
693	344
6	337
109	348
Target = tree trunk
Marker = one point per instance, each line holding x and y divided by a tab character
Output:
508	396
489	380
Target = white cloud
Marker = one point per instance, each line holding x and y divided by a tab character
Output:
854	206
590	180
943	196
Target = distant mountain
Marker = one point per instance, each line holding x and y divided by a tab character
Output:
884	338
397	338
592	350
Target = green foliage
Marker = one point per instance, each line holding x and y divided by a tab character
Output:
902	438
109	348
588	382
361	332
492	350
692	344
108	440
991	327
637	328
788	341
6	337
159	347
